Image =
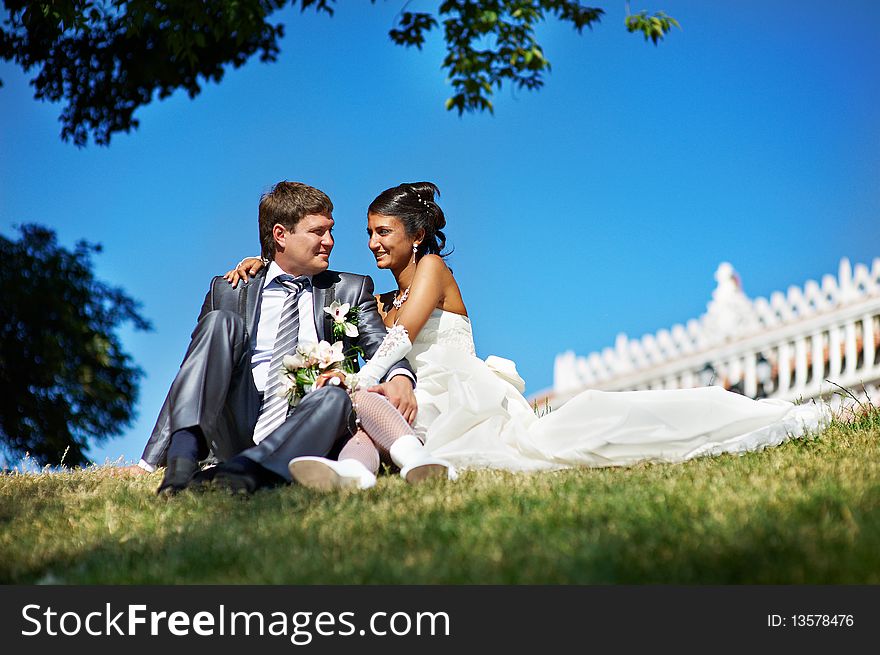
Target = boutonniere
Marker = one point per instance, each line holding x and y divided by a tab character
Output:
345	319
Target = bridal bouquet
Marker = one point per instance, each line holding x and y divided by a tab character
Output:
300	371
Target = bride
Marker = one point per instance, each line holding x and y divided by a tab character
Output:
472	412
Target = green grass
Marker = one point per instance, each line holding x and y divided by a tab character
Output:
805	512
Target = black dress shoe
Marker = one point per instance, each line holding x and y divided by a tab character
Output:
178	475
245	476
201	480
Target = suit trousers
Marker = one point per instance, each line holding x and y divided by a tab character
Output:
318	426
214	388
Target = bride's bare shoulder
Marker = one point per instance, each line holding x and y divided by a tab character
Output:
433	265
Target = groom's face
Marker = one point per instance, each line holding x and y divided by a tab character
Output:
306	249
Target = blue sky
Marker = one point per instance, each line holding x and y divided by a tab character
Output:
601	204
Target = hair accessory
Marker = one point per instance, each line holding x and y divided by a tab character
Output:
420	199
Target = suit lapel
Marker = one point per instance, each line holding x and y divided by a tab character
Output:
323	295
253	292
319	295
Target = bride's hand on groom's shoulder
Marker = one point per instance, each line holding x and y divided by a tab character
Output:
399	392
244	270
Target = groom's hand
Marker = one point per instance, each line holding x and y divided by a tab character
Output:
399	392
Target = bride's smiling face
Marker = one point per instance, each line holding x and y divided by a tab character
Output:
389	242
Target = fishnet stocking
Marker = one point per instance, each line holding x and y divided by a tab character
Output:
381	426
380	419
361	448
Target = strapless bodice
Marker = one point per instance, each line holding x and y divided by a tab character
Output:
446	329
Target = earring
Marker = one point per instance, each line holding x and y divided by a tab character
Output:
415	249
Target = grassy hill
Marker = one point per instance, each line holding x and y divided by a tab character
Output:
805	512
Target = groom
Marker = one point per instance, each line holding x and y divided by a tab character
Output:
223	398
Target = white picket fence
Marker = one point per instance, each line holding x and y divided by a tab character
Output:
805	343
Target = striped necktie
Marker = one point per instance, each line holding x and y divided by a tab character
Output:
274	409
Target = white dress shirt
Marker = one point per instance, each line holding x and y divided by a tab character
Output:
271	305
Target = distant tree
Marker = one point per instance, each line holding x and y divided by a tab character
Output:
65	381
106	58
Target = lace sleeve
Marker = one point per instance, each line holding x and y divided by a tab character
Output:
392	349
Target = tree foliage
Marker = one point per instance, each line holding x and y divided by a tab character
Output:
64	377
653	27
106	58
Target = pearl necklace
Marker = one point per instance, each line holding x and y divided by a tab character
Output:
398	301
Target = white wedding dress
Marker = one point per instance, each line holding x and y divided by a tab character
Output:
472	413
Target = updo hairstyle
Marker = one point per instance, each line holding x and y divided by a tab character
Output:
414	205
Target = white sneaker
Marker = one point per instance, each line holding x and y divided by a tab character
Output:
416	463
325	474
427	469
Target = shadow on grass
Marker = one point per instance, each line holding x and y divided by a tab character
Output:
499	535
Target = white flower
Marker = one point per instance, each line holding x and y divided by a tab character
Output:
287	383
351	380
293	362
308	351
339	313
328	355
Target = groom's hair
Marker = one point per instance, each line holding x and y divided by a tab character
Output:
286	204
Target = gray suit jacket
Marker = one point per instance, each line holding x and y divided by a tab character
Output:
357	290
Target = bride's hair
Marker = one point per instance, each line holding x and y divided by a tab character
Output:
414	204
